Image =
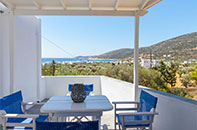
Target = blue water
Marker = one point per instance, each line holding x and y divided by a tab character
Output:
44	60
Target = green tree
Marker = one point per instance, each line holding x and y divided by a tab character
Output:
168	73
52	68
45	70
185	80
172	69
181	70
193	75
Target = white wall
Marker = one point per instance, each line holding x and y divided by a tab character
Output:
39	60
4	56
112	88
115	90
26	66
42	90
58	85
26	56
1	59
175	113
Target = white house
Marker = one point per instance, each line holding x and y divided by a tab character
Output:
146	63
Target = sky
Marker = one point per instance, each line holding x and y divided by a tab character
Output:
70	36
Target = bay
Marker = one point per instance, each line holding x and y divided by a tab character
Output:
75	60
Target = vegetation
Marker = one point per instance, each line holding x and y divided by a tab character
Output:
168	73
181	70
185	80
194	75
53	68
49	69
152	78
163	77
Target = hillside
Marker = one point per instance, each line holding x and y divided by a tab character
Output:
116	54
182	47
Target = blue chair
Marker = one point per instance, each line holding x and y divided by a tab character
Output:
88	88
142	118
12	113
89	125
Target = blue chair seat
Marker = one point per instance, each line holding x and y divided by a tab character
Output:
132	118
41	118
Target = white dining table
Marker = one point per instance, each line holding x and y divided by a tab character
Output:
63	106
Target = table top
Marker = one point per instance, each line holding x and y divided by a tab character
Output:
97	103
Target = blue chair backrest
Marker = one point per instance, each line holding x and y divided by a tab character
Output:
88	88
147	101
12	103
90	125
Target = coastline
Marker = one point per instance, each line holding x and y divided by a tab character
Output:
75	60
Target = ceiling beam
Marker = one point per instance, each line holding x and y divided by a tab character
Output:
97	8
90	4
128	9
116	4
77	12
144	2
8	4
151	3
82	8
37	4
5	5
63	3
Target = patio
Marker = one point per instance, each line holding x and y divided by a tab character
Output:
174	112
17	71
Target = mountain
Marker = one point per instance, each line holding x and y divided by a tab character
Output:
116	54
182	47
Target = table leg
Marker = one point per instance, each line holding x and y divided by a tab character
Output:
55	118
50	117
61	119
98	117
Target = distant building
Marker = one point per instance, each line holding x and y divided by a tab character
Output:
146	63
166	56
46	63
186	62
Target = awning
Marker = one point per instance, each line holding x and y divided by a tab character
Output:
79	7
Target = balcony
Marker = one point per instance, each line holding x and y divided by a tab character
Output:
175	113
20	58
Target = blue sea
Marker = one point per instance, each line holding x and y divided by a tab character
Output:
49	60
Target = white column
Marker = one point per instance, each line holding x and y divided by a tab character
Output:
11	45
136	54
1	57
39	73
